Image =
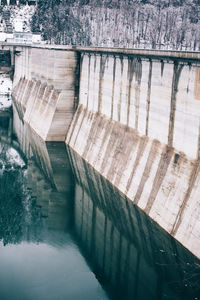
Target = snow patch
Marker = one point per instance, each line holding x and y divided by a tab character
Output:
14	158
5	91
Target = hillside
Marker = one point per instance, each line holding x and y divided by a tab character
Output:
16	18
157	24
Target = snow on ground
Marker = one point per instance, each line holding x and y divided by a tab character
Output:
5	102
9	158
14	158
20	17
5	91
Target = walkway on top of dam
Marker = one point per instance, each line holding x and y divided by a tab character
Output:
189	55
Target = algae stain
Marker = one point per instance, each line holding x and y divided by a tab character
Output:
138	76
113	85
148	97
88	89
162	67
103	60
175	81
163	165
130	79
120	98
197	84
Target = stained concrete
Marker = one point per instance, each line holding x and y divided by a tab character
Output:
44	90
137	122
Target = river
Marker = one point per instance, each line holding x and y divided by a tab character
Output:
67	233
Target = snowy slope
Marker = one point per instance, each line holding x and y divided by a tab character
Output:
5	91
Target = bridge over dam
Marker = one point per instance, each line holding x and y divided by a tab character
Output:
133	115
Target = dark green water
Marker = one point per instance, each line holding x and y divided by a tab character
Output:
66	233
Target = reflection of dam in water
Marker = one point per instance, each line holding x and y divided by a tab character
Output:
131	256
51	184
53	192
139	260
51	201
37	250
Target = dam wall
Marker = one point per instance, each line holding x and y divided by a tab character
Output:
138	124
156	97
44	90
133	115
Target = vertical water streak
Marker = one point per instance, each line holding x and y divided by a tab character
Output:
121	81
138	76
101	75
88	88
113	86
148	97
193	177
159	177
175	80
130	79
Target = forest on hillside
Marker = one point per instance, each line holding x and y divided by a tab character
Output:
154	24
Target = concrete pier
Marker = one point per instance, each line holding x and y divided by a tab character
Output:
44	90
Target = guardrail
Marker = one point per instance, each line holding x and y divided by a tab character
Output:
142	52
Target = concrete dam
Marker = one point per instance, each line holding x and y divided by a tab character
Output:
133	115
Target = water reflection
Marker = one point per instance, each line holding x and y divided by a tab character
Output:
41	271
133	256
64	237
38	256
